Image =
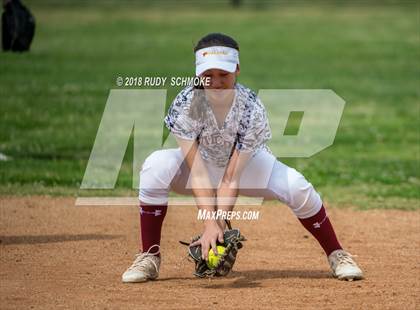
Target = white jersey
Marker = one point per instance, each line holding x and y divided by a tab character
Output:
245	128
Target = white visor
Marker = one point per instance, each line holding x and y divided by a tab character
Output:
216	57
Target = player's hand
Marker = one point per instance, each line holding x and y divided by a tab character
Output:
212	233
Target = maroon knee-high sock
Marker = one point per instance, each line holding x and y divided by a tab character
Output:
320	227
151	219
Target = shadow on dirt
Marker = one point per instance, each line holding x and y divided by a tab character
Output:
36	239
253	278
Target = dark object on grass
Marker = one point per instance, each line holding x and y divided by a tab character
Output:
236	3
18	26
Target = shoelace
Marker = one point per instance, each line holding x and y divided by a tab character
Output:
345	258
140	261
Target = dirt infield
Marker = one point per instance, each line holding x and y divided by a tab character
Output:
54	254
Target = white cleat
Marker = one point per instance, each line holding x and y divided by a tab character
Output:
145	267
344	267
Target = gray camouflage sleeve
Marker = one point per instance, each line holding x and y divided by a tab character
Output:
254	130
178	120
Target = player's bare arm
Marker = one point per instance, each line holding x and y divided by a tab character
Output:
203	194
229	187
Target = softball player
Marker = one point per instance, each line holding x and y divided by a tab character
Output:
222	132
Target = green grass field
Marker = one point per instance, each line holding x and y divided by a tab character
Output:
52	98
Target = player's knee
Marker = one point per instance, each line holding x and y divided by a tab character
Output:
158	169
304	199
153	196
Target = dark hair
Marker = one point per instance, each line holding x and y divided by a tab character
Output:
212	39
216	39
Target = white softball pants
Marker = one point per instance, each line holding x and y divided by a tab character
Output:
263	176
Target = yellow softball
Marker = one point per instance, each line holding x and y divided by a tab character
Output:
213	258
